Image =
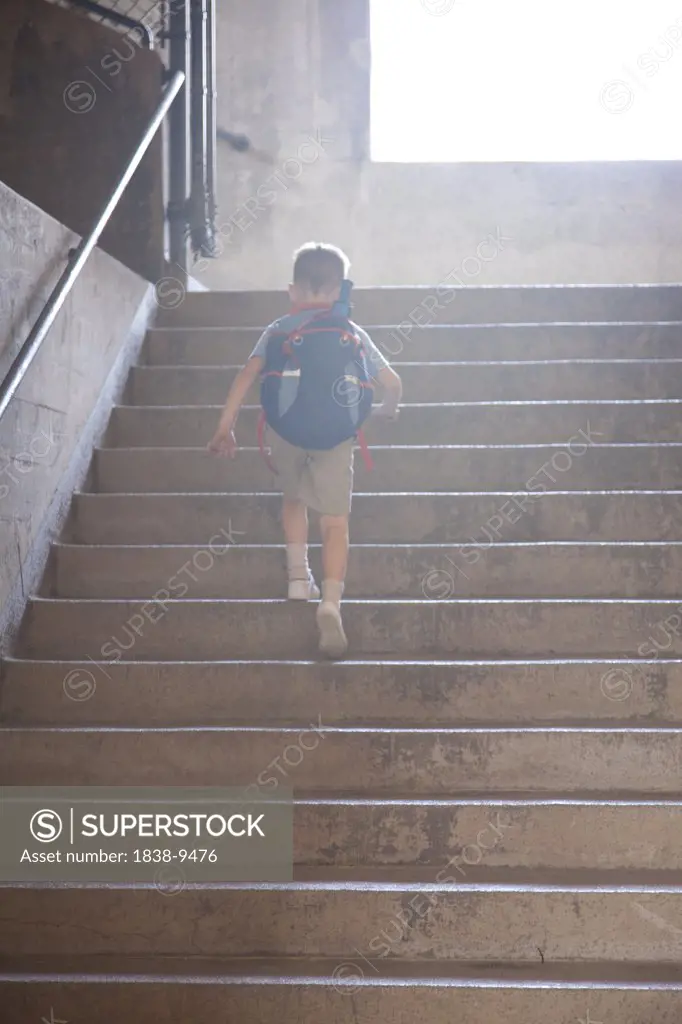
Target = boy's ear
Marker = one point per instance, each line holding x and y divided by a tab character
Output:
292	292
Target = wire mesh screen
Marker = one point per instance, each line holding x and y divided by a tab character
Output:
138	9
151	13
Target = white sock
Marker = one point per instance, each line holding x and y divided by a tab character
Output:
332	590
297	562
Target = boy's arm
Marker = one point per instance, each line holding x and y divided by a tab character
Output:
382	372
223	442
393	392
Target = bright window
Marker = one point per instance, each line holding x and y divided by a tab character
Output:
526	80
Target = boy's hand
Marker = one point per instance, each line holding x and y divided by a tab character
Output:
224	443
384	412
393	392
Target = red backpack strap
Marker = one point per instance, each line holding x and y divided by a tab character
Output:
262	423
366	454
290	340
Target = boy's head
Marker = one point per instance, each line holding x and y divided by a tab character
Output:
318	273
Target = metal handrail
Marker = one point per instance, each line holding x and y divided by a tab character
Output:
79	255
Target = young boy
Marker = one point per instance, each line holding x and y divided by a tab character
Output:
318	479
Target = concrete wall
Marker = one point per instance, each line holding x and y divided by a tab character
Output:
46	435
290	71
75	97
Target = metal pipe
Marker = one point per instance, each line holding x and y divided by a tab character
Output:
118	19
178	129
25	356
199	219
212	134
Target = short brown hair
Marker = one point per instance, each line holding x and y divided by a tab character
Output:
319	267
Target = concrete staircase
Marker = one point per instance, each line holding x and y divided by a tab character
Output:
489	826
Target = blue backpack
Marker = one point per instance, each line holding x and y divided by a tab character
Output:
316	388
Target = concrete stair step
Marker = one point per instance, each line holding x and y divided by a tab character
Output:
204	629
453	517
442	382
384	693
512	835
213	346
574	466
445	423
351	760
445	303
601	918
287	990
221	569
478	834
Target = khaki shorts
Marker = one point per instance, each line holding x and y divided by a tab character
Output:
321	480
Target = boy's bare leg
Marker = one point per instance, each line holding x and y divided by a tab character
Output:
334	531
295	523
